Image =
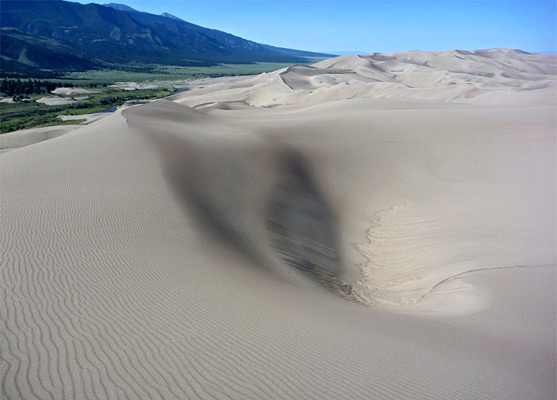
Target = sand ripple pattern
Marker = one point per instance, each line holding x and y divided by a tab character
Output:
493	76
109	292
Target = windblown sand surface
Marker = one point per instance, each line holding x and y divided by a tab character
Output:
55	101
25	137
72	91
134	86
58	100
355	229
496	76
89	118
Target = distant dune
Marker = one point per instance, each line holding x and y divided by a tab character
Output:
495	76
71	91
378	227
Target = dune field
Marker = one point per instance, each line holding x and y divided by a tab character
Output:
368	227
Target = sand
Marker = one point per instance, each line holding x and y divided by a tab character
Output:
496	76
89	118
26	137
72	91
134	85
222	244
55	101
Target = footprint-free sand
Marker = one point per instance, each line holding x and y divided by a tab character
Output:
378	227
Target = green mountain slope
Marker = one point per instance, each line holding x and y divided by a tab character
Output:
60	35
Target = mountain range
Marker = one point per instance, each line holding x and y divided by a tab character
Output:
61	35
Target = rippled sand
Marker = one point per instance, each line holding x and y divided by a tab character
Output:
270	238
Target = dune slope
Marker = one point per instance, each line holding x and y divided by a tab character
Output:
494	76
358	248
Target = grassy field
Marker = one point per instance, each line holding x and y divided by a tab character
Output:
167	73
23	115
30	114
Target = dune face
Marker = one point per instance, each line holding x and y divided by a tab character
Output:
301	225
25	137
352	229
496	76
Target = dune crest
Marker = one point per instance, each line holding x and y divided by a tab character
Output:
494	76
181	249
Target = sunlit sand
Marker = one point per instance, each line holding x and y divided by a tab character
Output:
364	228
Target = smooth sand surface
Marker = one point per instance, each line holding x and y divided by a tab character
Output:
496	76
71	91
220	244
25	137
55	100
89	118
134	85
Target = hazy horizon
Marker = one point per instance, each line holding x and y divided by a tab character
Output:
373	26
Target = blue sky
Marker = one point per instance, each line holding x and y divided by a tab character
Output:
373	26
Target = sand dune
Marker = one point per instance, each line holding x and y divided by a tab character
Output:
55	101
87	117
72	91
25	137
134	86
273	237
496	76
